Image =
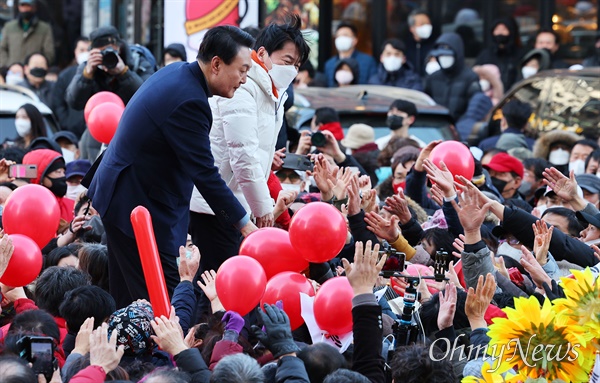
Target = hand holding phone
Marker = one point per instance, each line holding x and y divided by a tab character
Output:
39	351
22	171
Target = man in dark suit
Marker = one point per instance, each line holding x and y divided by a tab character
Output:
160	151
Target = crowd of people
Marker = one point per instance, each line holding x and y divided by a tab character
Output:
200	147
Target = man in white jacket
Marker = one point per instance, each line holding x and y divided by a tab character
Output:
243	137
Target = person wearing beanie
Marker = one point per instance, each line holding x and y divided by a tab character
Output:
174	53
51	174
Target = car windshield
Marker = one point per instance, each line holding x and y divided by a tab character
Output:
8	131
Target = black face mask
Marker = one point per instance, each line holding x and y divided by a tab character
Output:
38	72
501	39
26	15
395	122
59	186
499	184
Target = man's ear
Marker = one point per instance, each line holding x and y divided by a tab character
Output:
216	64
412	119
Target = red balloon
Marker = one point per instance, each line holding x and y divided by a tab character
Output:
459	273
101	98
333	306
271	247
25	264
32	210
318	232
141	221
286	287
104	120
456	156
240	283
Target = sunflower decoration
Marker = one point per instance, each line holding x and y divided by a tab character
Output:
582	303
538	343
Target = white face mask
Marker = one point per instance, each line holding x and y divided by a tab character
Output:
13	78
485	85
68	155
82	57
343	43
424	31
74	191
391	63
432	67
506	249
344	77
282	75
292	187
559	157
578	166
23	126
446	61
528	71
541	209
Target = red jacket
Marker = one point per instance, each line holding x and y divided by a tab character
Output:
274	188
90	374
43	158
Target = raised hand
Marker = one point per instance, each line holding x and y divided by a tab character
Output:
369	201
479	299
398	206
499	265
104	353
440	176
383	228
325	176
6	251
363	273
188	264
278	333
353	197
541	243
564	187
82	341
425	152
304	143
535	270
340	189
210	290
278	159
459	245
169	335
447	309
437	195
285	199
470	213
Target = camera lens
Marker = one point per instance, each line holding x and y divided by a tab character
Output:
110	59
318	139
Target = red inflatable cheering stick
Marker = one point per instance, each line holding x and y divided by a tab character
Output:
153	272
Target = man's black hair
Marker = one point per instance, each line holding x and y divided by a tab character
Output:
93	259
225	42
548	30
85	39
275	36
16	370
587	142
326	115
345	24
537	165
404	106
56	255
516	113
395	43
54	283
35	322
344	375
595	155
320	360
574	225
414	364
29	56
86	302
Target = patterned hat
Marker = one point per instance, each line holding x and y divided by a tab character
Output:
133	328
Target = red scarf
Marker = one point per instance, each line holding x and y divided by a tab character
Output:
262	65
335	128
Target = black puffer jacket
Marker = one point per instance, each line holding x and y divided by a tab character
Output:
453	87
81	88
506	58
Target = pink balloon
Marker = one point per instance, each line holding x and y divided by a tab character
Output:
318	232
286	287
104	120
25	264
32	210
101	98
240	284
271	247
333	306
456	156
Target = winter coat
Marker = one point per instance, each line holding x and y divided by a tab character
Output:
242	141
366	64
543	57
44	92
491	142
541	148
123	85
405	77
505	58
16	44
417	51
70	119
453	87
478	107
43	158
367	328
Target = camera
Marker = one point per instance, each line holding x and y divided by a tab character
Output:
110	58
318	139
39	351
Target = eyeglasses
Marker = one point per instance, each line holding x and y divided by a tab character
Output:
511	241
292	177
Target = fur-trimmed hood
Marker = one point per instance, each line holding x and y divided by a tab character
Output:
541	149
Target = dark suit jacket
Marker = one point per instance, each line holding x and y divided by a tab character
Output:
160	151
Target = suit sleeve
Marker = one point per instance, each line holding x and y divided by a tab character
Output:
240	127
186	131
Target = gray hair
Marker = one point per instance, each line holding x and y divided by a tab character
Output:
237	368
413	14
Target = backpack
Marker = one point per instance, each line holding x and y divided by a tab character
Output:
137	52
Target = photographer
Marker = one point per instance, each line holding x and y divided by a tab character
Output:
110	67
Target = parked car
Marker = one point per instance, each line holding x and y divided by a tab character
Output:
12	97
369	104
560	99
